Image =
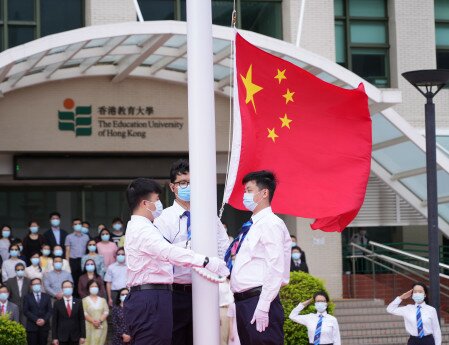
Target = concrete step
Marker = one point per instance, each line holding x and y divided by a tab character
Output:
381	310
370	325
356	319
358	303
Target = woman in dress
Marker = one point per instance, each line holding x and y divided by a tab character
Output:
107	248
91	253
5	241
89	273
121	333
33	241
96	312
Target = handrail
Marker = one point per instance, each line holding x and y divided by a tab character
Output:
417	257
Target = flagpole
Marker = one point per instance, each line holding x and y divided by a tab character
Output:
300	22
202	156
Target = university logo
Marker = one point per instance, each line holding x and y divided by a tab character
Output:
75	119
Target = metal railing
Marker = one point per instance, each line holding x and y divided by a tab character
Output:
378	259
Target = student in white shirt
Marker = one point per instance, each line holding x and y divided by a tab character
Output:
322	328
420	319
262	265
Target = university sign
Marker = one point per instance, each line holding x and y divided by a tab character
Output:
121	121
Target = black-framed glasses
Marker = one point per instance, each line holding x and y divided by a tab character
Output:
182	184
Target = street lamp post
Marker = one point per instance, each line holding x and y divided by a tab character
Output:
429	83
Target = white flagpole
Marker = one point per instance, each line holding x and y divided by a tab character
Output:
202	156
138	11
300	22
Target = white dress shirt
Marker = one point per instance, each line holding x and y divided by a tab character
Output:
263	258
330	332
173	226
20	285
149	257
428	315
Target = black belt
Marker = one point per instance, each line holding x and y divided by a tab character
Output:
182	287
240	296
151	287
425	337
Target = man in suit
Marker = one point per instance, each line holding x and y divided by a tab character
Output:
298	262
38	311
55	235
18	287
7	307
69	326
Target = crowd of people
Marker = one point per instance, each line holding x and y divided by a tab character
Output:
69	284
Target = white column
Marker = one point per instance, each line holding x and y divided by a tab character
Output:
202	156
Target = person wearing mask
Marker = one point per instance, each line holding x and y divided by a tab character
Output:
38	311
58	251
5	242
18	288
75	247
85	228
149	258
106	248
7	307
68	322
20	245
174	225
46	260
99	228
90	274
117	230
298	262
420	319
9	266
53	279
33	241
294	241
262	265
91	253
55	235
115	277
120	330
322	328
96	312
34	270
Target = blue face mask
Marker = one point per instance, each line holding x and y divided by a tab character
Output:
90	268
296	256
68	291
84	230
37	288
418	297
120	258
14	253
105	237
320	307
94	290
248	201
46	252
58	266
123	297
6	233
34	229
55	222
35	261
4	296
92	248
117	226
20	273
184	193
77	227
57	252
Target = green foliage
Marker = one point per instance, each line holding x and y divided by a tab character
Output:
11	332
302	286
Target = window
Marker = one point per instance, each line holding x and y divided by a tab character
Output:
442	33
262	16
361	38
25	20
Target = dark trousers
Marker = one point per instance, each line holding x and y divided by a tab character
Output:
148	314
37	338
248	334
69	343
427	340
75	267
182	318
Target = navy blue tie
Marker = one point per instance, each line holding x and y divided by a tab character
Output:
316	339
238	240
189	230
419	322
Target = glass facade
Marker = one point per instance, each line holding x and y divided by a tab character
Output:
361	38
262	16
442	33
22	21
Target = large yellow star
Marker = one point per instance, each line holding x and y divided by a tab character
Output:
285	121
251	88
288	96
272	134
281	75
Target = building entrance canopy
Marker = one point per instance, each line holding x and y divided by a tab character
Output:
158	50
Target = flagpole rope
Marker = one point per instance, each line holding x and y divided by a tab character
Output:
231	77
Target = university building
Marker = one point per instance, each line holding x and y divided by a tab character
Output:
91	98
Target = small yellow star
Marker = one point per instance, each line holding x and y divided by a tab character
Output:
281	75
251	88
285	121
288	96
272	134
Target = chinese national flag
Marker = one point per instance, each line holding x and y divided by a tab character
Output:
315	136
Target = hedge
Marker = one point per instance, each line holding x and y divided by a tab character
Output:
11	332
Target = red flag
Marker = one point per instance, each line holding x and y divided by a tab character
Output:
315	136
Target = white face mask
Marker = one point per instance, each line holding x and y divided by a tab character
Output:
320	307
248	201
159	208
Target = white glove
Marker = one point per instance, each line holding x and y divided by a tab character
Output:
261	319
218	266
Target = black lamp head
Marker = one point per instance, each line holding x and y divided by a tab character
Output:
424	80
